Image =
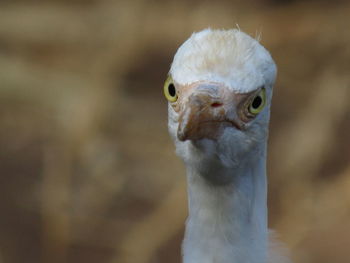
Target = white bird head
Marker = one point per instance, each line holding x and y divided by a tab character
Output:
219	90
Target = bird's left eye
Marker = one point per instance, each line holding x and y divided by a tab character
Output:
170	90
258	102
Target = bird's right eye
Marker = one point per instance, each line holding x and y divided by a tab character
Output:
170	90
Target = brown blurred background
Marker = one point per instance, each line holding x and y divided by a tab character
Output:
88	172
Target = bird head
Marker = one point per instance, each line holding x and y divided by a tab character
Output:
219	90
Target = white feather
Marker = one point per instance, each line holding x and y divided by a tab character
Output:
230	57
227	185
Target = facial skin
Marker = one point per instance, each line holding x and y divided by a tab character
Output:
205	109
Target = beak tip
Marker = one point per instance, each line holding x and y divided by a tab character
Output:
181	136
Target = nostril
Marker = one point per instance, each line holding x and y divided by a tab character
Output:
216	104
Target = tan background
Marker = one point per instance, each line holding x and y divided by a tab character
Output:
88	172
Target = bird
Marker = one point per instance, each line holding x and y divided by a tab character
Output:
219	91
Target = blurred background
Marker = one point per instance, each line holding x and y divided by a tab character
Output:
87	169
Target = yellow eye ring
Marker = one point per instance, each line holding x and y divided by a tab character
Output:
258	102
170	90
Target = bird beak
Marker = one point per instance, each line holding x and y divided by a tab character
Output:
206	110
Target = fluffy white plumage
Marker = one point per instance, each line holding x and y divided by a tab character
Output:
230	57
217	74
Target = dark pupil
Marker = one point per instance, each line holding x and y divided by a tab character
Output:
172	90
257	102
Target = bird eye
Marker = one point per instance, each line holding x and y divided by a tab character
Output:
258	102
170	90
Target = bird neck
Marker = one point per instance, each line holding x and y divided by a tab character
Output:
227	223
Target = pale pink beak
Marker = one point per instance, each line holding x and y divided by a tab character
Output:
206	111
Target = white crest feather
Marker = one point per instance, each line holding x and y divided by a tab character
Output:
230	57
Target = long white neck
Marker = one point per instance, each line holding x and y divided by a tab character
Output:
227	223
